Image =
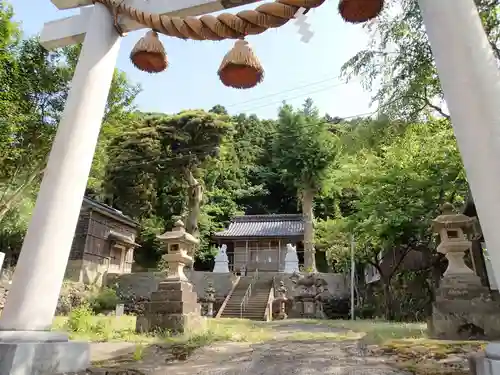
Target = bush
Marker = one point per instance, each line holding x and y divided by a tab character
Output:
80	319
73	295
337	308
133	304
103	300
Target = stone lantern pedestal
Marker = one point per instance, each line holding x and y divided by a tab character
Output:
174	306
463	308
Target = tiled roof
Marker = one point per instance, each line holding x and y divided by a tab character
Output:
264	226
109	211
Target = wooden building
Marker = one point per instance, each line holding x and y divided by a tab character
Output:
104	243
259	241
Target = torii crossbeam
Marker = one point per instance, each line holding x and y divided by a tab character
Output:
471	84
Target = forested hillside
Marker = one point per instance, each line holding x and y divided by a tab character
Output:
380	178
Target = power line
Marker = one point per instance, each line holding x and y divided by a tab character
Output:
289	90
304	96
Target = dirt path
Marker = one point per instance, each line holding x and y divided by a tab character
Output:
282	356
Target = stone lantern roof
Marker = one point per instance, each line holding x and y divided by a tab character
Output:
178	234
451	220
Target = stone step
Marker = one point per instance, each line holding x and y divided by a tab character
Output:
245	313
255	305
262	307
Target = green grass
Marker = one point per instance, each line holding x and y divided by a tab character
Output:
374	331
110	328
103	328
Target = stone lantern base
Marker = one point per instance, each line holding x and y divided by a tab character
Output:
173	308
464	310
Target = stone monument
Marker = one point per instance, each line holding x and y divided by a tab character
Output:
281	299
463	308
221	260
174	306
209	299
291	259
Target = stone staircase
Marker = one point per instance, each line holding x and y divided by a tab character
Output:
256	307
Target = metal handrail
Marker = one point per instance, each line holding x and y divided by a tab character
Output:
248	293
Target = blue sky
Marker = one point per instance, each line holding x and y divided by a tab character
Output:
293	70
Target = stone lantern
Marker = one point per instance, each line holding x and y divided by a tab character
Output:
281	299
174	306
463	307
452	229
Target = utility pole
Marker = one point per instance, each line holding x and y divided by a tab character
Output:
353	244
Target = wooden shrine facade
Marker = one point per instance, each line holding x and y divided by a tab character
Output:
260	241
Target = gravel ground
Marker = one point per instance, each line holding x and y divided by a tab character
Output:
282	356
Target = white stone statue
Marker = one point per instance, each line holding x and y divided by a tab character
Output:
221	260
291	259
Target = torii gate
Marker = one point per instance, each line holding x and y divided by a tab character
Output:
467	70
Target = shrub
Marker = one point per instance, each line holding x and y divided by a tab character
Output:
133	304
80	319
72	296
337	307
103	300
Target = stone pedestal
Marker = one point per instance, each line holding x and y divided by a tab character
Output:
173	307
40	353
464	310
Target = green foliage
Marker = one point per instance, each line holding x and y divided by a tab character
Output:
304	149
80	319
34	85
398	67
103	300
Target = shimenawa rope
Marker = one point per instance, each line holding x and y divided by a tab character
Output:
223	26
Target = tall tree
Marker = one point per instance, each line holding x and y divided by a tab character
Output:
164	148
304	152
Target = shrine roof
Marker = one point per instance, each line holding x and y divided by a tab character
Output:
259	226
108	211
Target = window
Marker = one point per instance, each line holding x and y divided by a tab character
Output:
115	256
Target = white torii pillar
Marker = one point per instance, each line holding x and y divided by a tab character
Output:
26	344
470	79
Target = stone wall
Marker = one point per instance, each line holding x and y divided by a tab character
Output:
143	283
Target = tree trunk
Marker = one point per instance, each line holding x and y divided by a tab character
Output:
195	196
307	198
388	313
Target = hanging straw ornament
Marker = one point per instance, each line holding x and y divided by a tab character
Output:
149	54
358	11
240	68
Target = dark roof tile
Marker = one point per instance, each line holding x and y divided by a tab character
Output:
264	226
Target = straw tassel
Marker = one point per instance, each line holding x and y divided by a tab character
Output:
240	68
358	11
149	54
